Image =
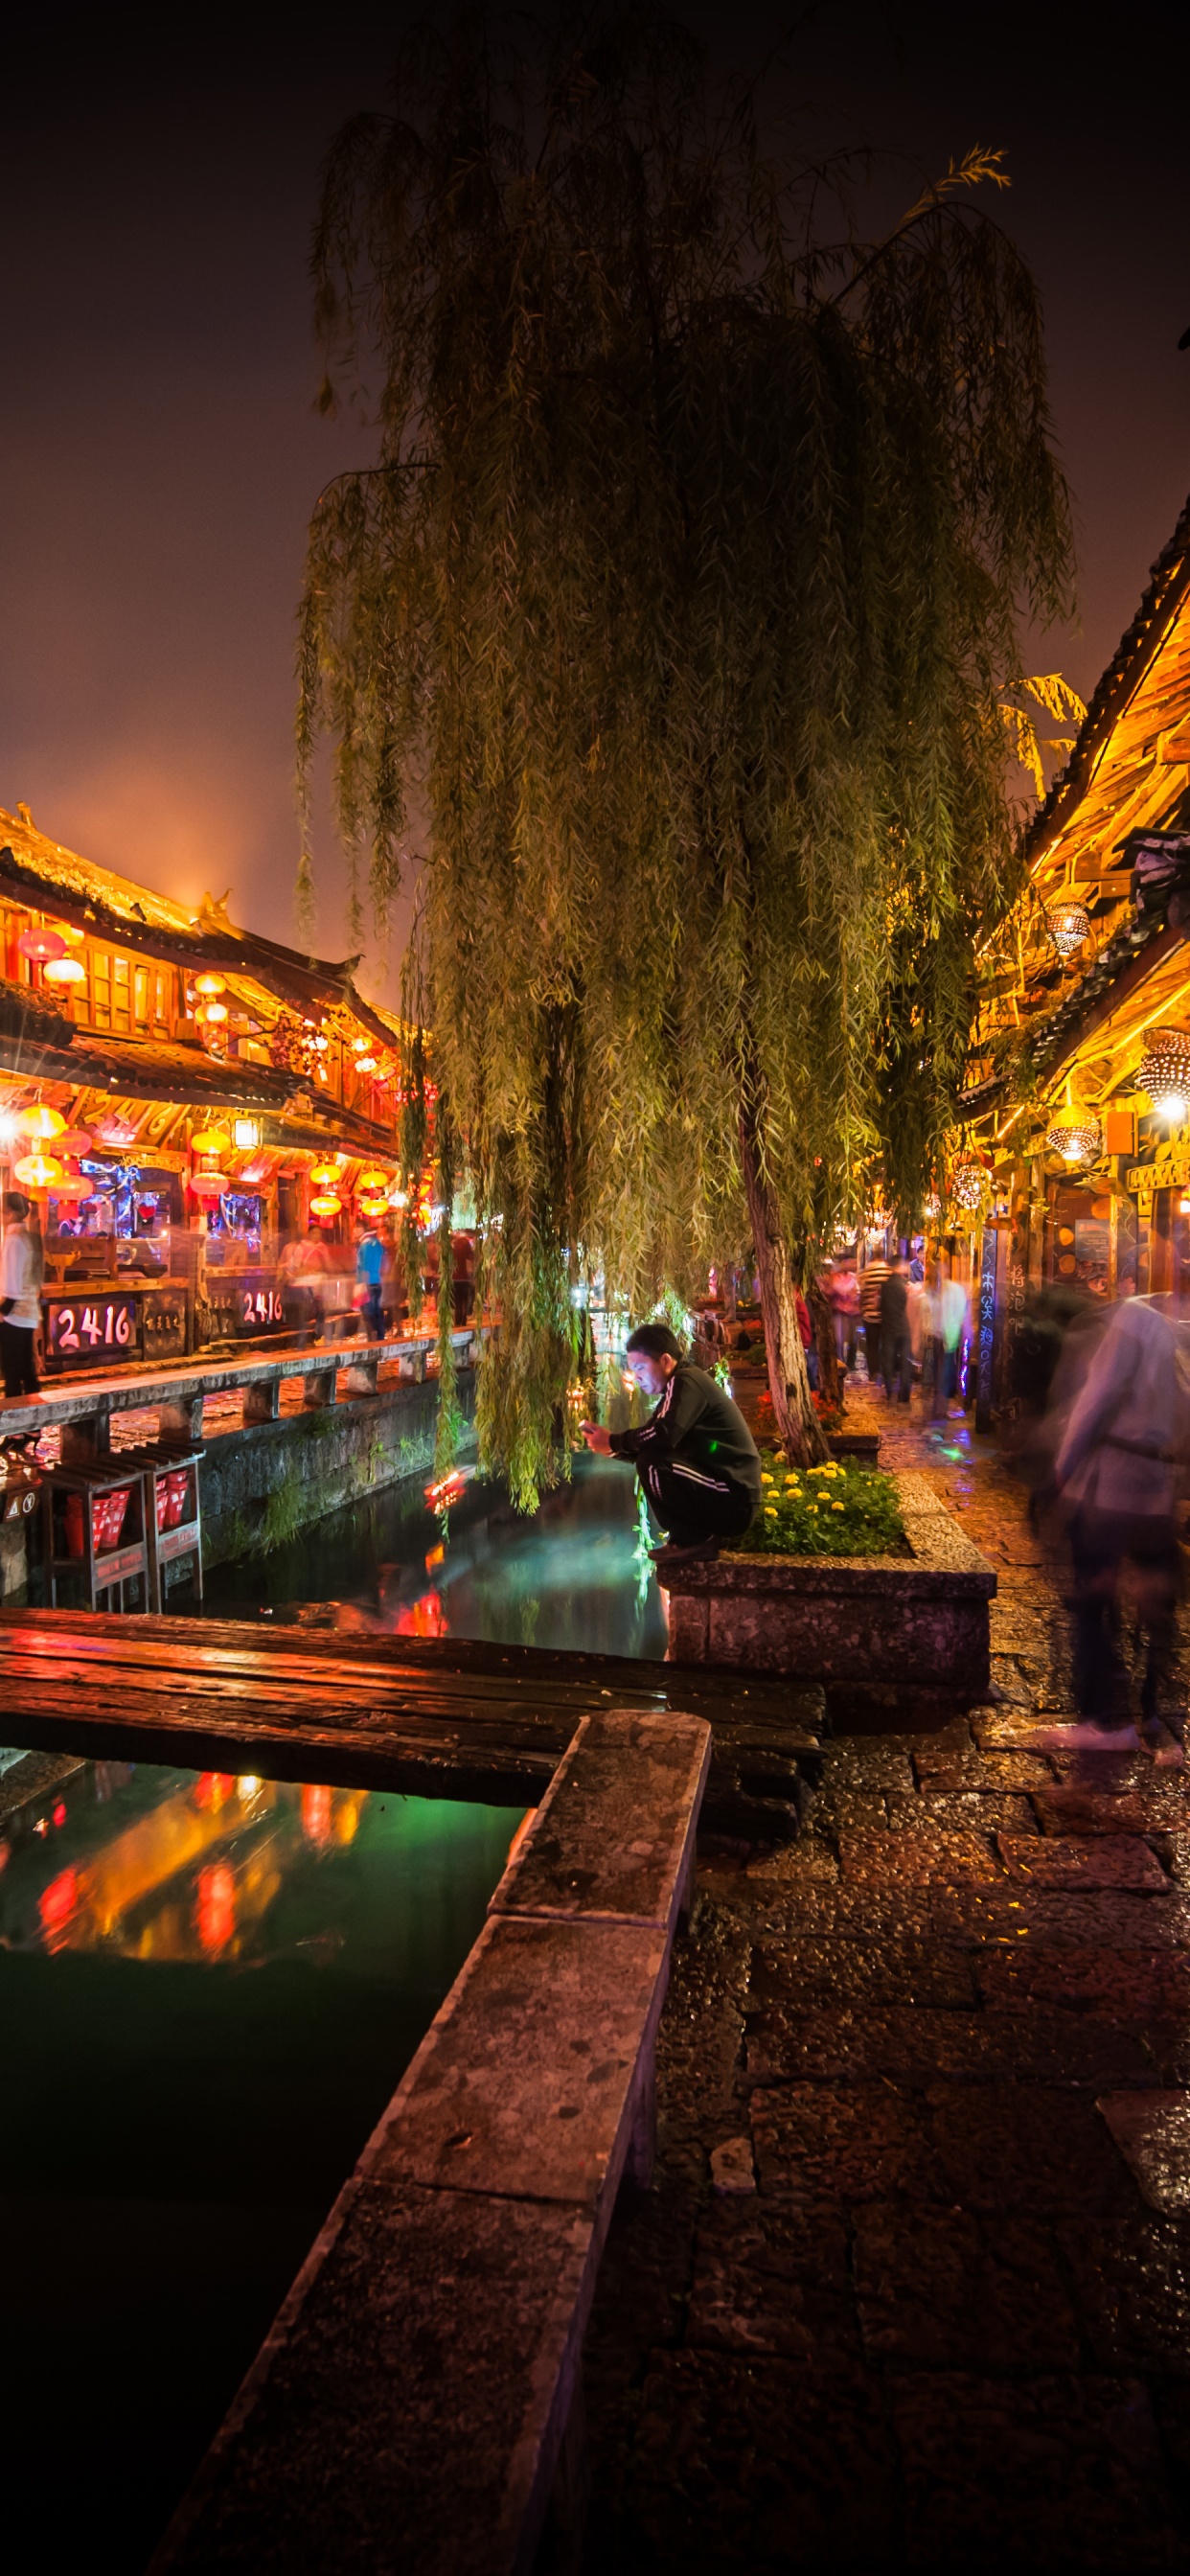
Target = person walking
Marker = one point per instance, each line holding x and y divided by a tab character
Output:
21	1272
894	1330
875	1274
697	1462
369	1271
954	1326
1118	1471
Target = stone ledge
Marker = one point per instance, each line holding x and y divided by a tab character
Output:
416	2397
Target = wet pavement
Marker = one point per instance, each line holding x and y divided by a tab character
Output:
912	2285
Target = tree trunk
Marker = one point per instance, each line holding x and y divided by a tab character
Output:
799	1431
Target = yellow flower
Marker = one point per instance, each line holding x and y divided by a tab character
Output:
764	1478
838	1507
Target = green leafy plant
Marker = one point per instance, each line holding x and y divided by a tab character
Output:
828	1510
669	634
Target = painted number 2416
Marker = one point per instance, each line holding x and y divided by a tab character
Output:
109	1324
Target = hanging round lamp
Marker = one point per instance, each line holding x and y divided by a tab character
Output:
1164	1072
211	984
371	1181
37	1172
1070	926
76	1140
65	971
209	1185
41	1121
325	1174
968	1184
74	1185
39	946
372	1208
326	1204
1078	1140
366	1063
210	1140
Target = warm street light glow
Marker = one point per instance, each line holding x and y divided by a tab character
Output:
41	1121
246	1132
327	1205
211	1140
211	984
37	1171
65	970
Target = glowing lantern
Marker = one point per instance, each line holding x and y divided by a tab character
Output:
1077	1140
1164	1072
359	1046
65	970
246	1132
41	1122
73	1186
372	1181
211	984
210	1140
373	1207
968	1182
213	1012
366	1063
325	1173
326	1205
37	1171
75	1141
209	1185
40	945
1070	925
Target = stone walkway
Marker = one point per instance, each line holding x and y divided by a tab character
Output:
912	2286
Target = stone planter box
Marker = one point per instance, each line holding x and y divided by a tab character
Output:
897	1641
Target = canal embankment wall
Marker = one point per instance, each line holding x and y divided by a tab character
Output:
285	1443
262	1484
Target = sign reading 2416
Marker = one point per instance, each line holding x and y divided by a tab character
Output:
91	1328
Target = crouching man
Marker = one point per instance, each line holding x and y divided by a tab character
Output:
695	1456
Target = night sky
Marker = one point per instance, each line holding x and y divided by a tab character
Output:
159	454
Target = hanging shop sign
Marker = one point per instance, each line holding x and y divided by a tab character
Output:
81	1329
1173	1173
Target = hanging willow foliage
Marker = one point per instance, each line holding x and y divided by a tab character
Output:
679	613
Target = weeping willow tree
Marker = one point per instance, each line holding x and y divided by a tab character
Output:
673	629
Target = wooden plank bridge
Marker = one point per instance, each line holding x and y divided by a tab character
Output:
433	1717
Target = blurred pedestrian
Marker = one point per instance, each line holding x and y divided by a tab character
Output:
369	1272
894	1330
21	1272
875	1274
1118	1471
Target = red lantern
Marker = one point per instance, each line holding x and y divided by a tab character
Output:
40	945
209	1185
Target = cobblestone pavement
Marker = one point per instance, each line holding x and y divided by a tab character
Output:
912	2286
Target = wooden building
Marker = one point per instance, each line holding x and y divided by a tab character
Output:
1087	1170
198	1081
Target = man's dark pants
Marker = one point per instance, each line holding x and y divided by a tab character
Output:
18	1358
896	1353
692	1507
1099	1544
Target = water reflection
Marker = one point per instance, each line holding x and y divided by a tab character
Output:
576	1575
209	1987
194	1876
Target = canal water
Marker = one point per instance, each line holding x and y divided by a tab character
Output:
577	1574
209	1987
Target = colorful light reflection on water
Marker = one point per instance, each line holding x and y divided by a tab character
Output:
209	1987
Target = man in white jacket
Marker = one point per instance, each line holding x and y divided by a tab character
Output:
1125	1446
